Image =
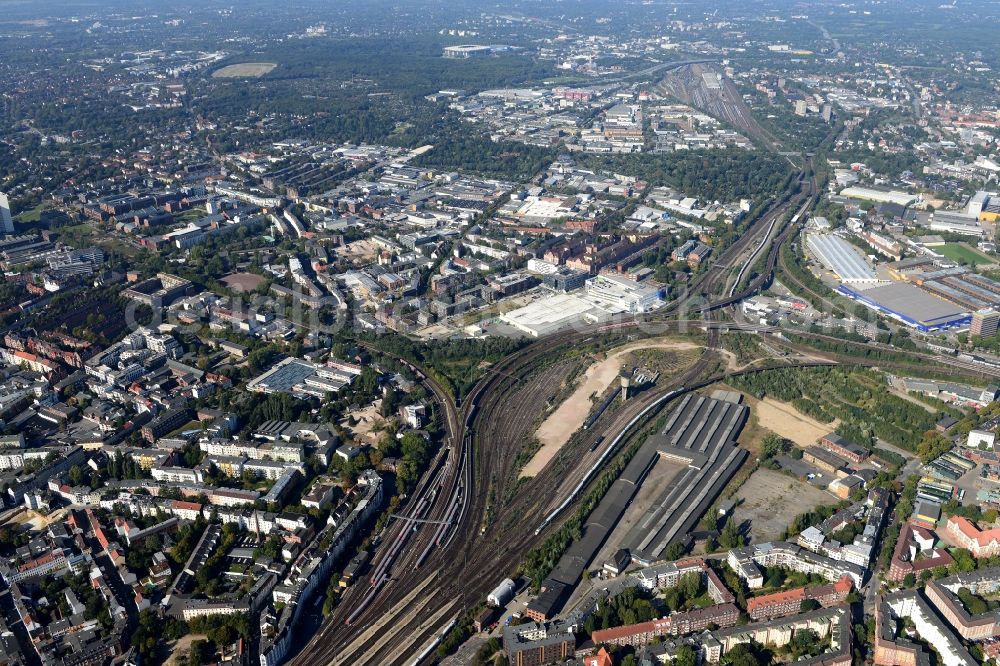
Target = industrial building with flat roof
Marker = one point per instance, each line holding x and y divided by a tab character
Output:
910	305
621	294
955	223
465	51
880	196
296	376
842	258
552	313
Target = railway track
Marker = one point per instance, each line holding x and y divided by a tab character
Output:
446	493
482	517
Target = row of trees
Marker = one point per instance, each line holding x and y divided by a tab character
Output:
455	363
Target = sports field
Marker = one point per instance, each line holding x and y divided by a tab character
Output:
963	253
244	69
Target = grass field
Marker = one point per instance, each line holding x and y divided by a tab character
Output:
34	214
963	253
244	69
84	235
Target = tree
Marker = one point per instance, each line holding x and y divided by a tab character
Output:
771	446
75	475
196	654
390	402
689	585
964	562
743	655
804	641
731	536
808	605
686	656
222	636
775	578
674	551
972	603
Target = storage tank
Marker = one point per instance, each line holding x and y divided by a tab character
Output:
502	594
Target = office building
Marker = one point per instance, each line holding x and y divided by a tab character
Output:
6	221
619	294
536	643
984	323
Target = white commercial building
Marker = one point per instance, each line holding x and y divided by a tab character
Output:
979	438
6	221
550	314
955	223
620	294
880	196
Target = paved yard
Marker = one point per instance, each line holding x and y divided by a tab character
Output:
770	500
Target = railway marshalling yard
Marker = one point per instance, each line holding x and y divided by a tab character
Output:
568	417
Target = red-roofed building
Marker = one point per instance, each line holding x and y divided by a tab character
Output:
50	563
981	543
583	225
602	658
102	538
915	552
789	602
185	510
643	633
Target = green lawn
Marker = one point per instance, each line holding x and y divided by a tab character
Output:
84	235
34	214
963	253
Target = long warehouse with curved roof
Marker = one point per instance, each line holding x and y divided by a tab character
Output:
842	258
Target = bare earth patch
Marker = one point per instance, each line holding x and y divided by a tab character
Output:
359	249
770	500
785	421
367	425
242	282
181	647
244	69
569	416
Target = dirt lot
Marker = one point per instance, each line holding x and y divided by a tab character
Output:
360	249
179	649
368	421
242	282
244	69
788	422
770	500
570	415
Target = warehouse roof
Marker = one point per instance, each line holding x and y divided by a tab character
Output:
841	257
552	313
909	303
